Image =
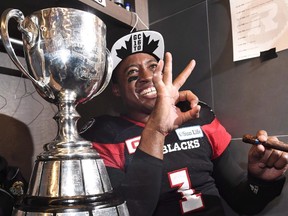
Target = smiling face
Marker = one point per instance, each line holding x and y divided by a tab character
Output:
134	85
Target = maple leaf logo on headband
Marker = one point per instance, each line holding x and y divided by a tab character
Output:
137	44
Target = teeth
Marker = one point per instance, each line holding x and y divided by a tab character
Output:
148	91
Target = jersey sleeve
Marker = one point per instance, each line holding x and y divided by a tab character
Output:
139	184
112	154
218	137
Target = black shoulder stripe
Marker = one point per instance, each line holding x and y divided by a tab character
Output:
206	106
206	113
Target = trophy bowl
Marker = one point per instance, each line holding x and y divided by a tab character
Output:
68	63
65	49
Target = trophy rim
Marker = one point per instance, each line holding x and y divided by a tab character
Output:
67	8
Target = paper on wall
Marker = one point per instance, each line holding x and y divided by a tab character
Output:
257	26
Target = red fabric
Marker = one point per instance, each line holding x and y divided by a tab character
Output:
112	154
218	136
133	121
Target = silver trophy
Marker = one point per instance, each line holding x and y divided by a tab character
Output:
68	63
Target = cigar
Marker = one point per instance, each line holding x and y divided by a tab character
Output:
247	138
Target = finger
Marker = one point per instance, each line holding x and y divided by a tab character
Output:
262	135
157	76
188	96
183	76
277	159
272	139
257	153
195	112
167	71
282	162
192	113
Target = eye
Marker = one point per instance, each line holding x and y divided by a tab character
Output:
132	78
132	74
153	67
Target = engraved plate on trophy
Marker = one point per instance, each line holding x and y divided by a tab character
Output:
33	188
91	173
103	211
73	214
20	213
71	182
122	210
50	187
104	176
38	214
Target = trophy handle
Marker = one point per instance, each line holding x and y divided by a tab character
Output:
109	70
19	17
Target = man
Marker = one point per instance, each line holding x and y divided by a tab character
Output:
181	165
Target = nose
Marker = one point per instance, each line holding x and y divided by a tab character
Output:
145	75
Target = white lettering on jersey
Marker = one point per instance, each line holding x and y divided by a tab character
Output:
185	145
132	144
189	132
191	201
254	188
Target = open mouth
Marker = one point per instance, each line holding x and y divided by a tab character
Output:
148	92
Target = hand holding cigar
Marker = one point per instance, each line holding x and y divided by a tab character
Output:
247	138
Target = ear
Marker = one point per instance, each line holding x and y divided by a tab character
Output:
115	90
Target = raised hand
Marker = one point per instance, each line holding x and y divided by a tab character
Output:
166	116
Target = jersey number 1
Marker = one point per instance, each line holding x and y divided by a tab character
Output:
190	201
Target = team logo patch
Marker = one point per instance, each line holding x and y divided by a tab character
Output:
132	144
189	132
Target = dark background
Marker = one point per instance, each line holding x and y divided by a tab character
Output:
246	96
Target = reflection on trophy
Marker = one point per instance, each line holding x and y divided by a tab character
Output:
68	63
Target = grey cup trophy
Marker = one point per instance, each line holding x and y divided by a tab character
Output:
68	63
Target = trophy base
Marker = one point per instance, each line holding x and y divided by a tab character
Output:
77	210
75	185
